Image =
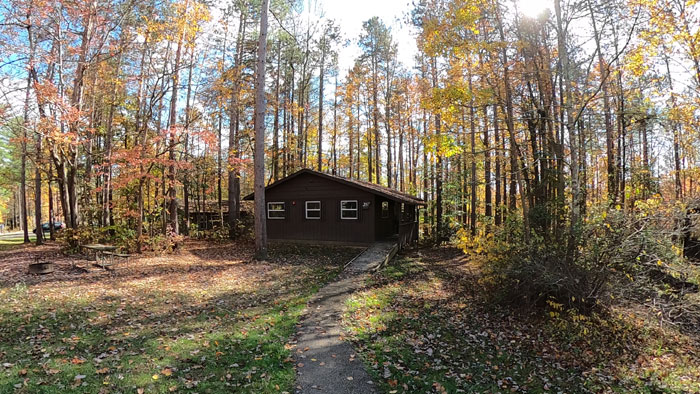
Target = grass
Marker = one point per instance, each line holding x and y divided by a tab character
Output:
207	320
9	242
424	324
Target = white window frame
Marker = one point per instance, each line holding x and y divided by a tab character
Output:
306	210
356	210
283	210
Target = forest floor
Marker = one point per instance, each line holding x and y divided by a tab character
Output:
424	324
207	319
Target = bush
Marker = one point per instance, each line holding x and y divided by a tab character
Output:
121	236
614	253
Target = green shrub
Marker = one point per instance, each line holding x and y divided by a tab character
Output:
120	236
612	253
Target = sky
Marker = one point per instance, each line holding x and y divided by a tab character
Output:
350	14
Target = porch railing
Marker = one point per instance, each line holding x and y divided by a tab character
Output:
407	233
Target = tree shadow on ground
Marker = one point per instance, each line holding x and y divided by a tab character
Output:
199	325
428	314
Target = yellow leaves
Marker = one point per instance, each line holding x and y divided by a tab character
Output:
155	377
166	372
478	244
442	145
555	305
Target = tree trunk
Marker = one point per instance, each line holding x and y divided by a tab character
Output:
173	222
52	216
497	174
676	138
320	109
438	166
234	188
473	195
188	120
613	187
488	208
576	202
275	139
335	126
259	154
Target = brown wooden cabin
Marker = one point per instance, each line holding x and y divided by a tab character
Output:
317	207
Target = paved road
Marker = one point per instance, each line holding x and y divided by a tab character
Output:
325	362
15	236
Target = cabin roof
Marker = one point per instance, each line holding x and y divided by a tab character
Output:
383	191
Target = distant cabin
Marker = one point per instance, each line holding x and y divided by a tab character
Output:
322	208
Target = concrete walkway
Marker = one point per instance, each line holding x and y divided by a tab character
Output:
325	362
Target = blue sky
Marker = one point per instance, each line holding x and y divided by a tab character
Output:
350	14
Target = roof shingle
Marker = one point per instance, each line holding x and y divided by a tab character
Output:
383	191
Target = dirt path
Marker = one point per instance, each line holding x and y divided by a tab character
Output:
326	363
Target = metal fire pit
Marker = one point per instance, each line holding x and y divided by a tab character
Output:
42	268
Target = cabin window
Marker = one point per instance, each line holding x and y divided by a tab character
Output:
275	210
313	210
348	209
385	209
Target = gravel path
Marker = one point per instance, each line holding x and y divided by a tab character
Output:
326	363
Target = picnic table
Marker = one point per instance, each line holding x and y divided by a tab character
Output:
104	253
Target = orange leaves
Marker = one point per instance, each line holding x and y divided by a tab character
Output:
236	163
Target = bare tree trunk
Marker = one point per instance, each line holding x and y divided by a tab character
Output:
321	78
259	154
275	139
613	187
107	177
518	169
438	165
488	208
401	158
37	164
23	167
473	196
375	118
188	120
571	128
37	193
234	186
52	216
676	139
497	174
141	136
335	126
173	222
